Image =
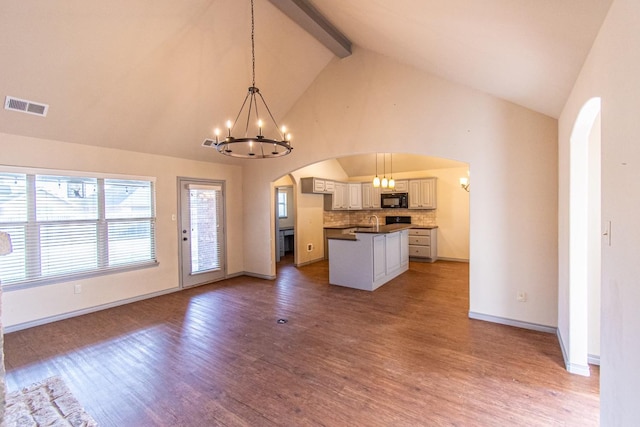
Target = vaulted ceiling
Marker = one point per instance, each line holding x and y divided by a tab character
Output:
158	75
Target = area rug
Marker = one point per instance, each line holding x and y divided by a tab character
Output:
47	403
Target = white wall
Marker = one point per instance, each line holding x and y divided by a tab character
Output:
611	72
362	103
34	304
594	243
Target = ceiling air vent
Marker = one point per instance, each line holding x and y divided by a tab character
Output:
208	143
24	106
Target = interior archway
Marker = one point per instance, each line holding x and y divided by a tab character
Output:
584	239
453	201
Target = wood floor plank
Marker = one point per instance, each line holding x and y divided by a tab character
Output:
404	355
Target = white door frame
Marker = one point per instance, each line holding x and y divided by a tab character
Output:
184	236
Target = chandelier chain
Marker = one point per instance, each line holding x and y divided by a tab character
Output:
253	50
253	147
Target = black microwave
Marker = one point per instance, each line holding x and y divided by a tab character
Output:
394	200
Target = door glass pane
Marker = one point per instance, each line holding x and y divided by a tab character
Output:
204	204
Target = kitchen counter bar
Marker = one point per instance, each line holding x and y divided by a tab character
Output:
368	259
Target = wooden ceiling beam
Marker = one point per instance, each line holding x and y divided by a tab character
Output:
311	20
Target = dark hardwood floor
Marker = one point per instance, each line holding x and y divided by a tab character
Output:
404	355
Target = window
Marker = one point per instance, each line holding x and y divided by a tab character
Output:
65	227
282	203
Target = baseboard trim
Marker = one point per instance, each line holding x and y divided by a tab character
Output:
572	368
512	322
258	276
593	359
63	316
302	264
444	258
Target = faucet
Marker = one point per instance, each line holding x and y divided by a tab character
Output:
377	221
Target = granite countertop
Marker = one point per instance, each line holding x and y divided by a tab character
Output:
343	226
382	227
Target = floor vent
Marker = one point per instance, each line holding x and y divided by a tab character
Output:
24	106
208	142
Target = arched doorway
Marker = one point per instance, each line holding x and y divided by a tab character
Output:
584	240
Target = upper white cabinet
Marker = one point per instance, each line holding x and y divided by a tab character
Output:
402	186
339	199
355	195
422	193
316	185
370	196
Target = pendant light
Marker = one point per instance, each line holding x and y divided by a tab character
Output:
392	182
259	146
376	180
385	181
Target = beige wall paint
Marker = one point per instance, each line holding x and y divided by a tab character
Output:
33	304
362	103
611	72
452	213
310	208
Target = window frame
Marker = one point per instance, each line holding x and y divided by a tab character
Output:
101	223
283	204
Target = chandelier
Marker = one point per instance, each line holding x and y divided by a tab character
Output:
258	146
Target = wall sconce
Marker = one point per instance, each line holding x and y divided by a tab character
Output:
465	183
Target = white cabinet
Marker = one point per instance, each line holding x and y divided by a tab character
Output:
345	196
369	261
379	257
423	244
314	185
393	252
339	199
370	196
404	249
329	186
355	195
422	193
401	186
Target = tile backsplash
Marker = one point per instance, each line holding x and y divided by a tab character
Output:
418	217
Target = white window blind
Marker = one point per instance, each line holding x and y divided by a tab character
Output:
66	227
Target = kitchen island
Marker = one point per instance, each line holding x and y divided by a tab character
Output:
369	257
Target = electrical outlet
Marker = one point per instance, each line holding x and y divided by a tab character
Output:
77	288
522	296
309	247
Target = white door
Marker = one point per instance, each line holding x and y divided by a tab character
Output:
202	243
